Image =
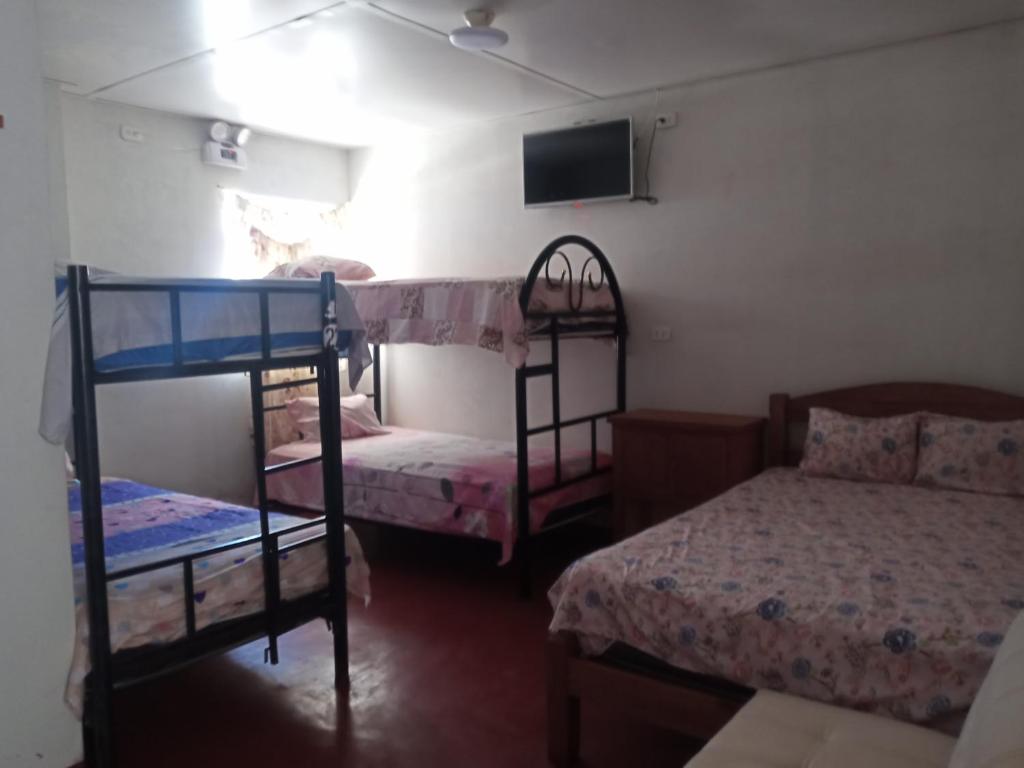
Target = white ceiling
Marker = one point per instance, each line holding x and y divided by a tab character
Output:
350	72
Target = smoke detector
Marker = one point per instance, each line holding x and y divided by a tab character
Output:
478	34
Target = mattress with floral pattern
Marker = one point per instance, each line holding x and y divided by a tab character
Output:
145	524
475	312
438	482
884	598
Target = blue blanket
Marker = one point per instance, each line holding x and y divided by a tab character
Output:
154	518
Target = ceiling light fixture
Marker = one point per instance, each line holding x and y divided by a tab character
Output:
478	34
219	131
223	133
240	135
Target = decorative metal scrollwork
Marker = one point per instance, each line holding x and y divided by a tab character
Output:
566	282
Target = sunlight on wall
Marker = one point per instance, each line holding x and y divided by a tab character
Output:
236	253
382	224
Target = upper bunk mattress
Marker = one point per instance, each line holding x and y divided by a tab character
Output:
134	329
476	312
886	598
143	524
437	482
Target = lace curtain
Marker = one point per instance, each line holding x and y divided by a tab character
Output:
279	231
272	232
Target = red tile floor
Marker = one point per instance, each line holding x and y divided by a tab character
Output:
446	666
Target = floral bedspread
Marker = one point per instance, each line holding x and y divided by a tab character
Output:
437	482
483	313
886	598
144	524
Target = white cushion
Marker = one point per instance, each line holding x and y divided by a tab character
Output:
782	731
993	735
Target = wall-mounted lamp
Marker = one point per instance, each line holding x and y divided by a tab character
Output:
225	149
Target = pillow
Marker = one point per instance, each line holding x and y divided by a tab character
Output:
357	417
304	414
968	455
312	266
854	448
992	735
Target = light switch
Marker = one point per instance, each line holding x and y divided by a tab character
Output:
661	333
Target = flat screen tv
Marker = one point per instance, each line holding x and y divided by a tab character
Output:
588	162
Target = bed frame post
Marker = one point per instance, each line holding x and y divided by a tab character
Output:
563	706
608	324
777	439
97	720
556	400
620	341
268	543
378	397
524	545
329	391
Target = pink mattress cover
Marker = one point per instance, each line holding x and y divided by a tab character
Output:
437	482
150	608
476	312
887	598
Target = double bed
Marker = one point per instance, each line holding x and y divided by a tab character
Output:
875	596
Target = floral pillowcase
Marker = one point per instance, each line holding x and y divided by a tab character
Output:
968	455
853	448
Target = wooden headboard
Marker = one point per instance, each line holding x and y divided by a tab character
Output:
875	400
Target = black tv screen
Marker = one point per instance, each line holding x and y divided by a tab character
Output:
590	162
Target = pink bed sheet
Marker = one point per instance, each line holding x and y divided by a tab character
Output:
437	482
886	598
476	312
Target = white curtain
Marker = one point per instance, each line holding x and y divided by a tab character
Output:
275	231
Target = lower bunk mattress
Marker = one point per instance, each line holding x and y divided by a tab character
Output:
143	524
885	598
438	482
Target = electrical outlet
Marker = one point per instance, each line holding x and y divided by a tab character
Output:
661	333
666	120
133	135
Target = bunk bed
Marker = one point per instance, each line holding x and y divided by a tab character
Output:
166	579
877	596
508	492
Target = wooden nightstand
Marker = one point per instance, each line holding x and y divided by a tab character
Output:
669	461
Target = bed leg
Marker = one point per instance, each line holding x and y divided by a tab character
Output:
339	631
563	707
88	743
525	571
97	731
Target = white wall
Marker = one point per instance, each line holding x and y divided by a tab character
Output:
154	209
35	569
848	221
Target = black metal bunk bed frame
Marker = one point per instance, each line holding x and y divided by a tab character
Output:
554	326
115	670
